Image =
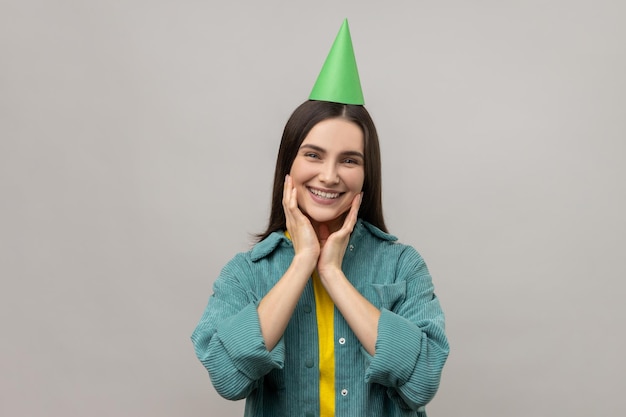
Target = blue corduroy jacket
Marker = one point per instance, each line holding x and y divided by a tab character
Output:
411	347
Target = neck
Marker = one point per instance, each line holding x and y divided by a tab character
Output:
325	229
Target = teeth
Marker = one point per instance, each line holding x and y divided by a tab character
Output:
324	194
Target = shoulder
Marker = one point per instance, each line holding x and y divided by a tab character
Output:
367	231
251	269
263	249
389	249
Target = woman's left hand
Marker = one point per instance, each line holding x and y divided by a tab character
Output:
361	315
333	246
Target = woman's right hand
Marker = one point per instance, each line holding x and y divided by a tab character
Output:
303	236
276	308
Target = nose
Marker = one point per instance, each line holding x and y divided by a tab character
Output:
328	174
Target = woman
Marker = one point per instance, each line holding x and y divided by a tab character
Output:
327	314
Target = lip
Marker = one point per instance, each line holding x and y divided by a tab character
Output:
321	200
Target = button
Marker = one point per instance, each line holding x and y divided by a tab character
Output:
309	363
351	247
307	308
342	341
344	392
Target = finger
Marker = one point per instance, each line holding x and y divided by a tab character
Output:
293	215
351	218
288	192
291	193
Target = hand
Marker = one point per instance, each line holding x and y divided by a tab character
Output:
334	245
300	229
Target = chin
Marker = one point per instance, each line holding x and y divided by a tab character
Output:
316	216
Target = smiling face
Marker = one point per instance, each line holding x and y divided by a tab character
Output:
328	171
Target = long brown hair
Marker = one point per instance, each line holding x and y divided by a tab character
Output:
302	120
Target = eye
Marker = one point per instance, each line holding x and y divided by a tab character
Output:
351	161
311	155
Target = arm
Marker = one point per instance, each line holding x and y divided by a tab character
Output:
361	315
407	346
228	339
411	348
238	339
277	306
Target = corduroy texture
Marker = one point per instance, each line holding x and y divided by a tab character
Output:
411	349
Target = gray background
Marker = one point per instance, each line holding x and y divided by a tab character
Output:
138	140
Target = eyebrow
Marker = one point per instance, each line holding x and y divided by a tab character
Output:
322	150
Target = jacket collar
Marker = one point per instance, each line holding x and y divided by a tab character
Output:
363	227
270	243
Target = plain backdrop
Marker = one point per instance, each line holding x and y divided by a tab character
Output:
137	148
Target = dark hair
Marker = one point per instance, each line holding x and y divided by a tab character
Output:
307	115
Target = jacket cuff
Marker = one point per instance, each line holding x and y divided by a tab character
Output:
242	339
396	357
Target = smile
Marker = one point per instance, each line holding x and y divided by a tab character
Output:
324	194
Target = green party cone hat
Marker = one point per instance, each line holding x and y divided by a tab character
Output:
339	81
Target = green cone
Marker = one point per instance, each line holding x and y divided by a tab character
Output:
339	81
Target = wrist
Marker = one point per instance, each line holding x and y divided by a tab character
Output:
305	262
330	274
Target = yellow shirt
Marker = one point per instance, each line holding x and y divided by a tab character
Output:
325	311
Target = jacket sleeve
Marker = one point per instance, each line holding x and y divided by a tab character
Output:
228	339
411	347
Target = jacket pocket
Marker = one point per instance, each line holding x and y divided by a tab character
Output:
389	295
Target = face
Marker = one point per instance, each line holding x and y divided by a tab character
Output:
328	171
